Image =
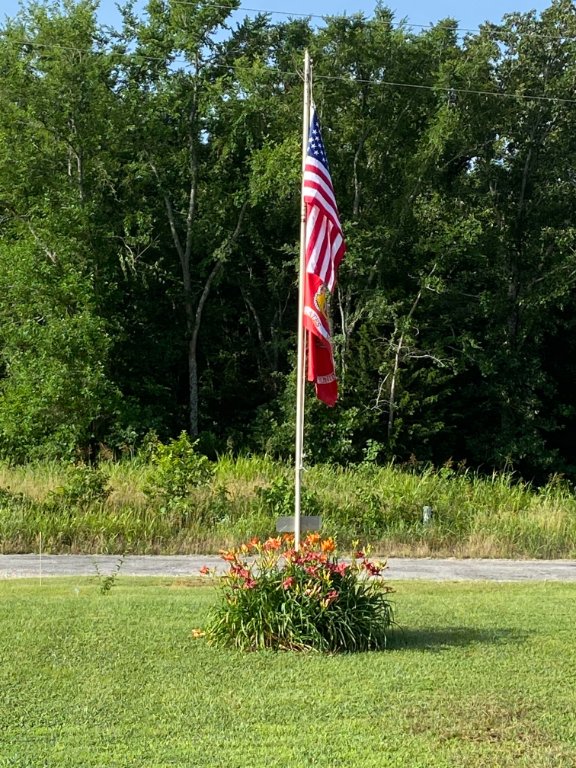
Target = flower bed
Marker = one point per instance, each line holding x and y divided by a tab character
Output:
273	596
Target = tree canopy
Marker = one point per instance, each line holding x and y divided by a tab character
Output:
149	223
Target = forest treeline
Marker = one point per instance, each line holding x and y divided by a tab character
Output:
149	224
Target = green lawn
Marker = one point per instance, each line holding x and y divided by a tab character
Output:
480	675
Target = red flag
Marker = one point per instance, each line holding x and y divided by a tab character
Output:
325	249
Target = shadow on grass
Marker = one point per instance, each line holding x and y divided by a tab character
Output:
434	639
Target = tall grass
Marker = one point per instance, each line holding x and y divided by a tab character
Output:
473	515
35	480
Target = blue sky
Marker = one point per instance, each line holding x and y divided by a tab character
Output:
417	12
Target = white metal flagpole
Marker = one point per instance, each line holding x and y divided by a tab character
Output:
301	364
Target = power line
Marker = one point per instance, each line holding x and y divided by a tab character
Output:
286	73
403	23
268	11
498	94
388	83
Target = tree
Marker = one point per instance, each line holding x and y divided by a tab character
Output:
56	107
514	189
190	151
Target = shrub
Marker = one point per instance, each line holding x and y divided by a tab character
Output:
84	486
278	498
9	500
273	596
176	469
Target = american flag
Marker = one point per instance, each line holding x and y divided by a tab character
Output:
325	249
325	245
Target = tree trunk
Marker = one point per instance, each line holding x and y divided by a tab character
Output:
193	398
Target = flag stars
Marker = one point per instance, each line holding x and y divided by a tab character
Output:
315	143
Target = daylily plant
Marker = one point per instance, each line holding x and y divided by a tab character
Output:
278	597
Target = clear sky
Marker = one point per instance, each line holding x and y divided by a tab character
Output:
418	12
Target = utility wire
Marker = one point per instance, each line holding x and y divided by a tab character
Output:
402	24
232	68
405	22
498	94
339	78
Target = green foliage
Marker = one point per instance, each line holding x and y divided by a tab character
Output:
300	600
85	485
278	498
149	228
57	395
176	470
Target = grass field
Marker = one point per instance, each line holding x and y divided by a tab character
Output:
479	675
474	516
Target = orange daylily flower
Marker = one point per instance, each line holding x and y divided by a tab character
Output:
328	545
289	554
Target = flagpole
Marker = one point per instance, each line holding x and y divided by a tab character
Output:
301	364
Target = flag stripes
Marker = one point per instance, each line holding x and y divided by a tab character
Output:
324	250
324	238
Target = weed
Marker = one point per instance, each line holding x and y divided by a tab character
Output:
278	498
109	580
116	508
